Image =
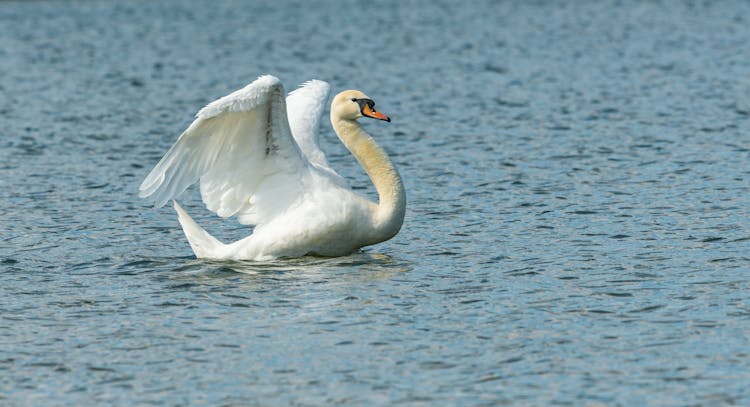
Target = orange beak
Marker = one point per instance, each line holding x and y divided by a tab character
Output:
371	112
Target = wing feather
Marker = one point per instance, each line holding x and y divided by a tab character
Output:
234	145
305	106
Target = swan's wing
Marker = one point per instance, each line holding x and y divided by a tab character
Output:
241	148
305	107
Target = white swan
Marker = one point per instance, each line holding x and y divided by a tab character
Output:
256	163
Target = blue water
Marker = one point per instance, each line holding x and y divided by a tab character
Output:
577	231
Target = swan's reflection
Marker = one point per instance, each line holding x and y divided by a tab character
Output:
357	268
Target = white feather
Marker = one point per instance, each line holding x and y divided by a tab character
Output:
305	107
234	144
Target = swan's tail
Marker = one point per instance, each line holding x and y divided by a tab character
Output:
203	244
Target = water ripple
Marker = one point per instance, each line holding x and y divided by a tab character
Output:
576	233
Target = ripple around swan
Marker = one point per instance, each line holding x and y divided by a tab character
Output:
577	228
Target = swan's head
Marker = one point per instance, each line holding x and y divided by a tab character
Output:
353	104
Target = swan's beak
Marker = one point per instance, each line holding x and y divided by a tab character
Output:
370	111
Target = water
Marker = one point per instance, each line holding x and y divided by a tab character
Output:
577	230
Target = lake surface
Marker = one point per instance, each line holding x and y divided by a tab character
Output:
577	231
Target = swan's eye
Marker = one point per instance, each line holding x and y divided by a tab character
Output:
354	99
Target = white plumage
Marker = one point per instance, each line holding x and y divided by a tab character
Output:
257	157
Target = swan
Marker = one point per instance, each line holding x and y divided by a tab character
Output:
257	157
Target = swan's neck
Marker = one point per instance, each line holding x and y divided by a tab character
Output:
389	215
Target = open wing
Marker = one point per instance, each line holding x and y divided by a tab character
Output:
305	107
242	150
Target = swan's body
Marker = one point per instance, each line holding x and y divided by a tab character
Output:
256	163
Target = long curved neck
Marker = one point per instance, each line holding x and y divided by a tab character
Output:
391	207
